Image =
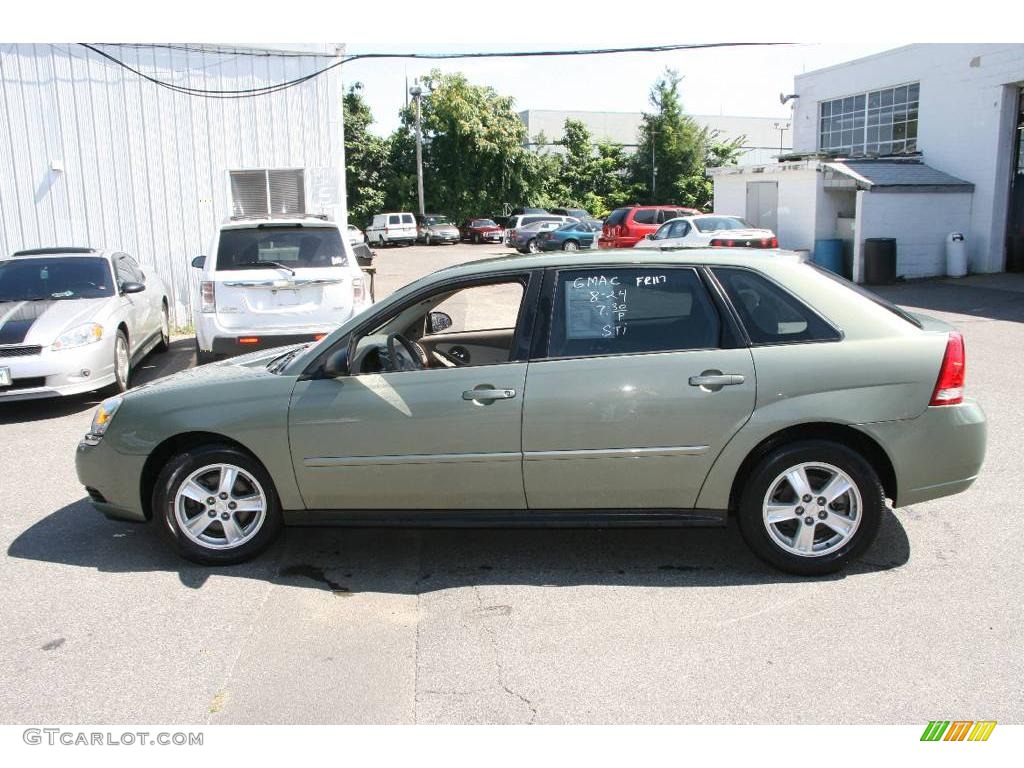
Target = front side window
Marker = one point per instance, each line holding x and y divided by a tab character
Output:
678	229
770	314
662	232
630	311
294	247
81	277
882	122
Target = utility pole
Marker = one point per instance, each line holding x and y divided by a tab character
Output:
416	92
781	128
654	171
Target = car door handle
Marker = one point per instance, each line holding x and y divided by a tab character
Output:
488	393
716	380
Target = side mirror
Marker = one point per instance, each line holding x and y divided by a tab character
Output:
649	237
199	262
336	363
439	321
132	287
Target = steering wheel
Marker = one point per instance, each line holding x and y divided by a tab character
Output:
405	354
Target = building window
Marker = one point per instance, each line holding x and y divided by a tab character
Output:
876	123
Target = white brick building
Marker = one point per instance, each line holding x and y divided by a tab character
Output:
952	114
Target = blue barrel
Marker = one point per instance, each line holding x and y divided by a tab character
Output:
828	253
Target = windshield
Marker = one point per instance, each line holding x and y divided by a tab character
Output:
294	247
434	221
482	223
80	277
716	223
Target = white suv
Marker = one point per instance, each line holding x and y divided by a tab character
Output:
270	282
388	228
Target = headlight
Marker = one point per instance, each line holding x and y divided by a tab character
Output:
80	336
102	418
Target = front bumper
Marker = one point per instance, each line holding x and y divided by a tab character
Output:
59	373
937	454
114	492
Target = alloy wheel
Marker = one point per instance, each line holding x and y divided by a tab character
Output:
570	245
220	506
812	509
122	361
532	246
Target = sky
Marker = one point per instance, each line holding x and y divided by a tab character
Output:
724	81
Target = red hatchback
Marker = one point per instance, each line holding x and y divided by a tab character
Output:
625	227
482	231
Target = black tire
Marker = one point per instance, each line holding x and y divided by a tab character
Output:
165	331
531	246
476	239
178	470
752	497
121	380
203	357
570	245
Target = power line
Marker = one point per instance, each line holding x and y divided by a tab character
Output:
243	93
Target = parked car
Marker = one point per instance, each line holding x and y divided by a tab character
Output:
637	388
75	320
272	282
709	230
482	231
524	239
432	229
525	220
576	213
528	211
355	234
392	229
625	226
569	237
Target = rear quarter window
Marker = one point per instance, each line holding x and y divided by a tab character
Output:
616	217
770	314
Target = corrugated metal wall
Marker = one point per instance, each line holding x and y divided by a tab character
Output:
92	154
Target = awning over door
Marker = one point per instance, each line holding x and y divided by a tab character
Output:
891	176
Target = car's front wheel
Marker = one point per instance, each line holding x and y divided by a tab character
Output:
532	247
122	362
217	504
165	330
810	507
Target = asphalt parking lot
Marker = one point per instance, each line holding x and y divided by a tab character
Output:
102	623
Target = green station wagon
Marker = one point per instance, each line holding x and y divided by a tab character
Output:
618	388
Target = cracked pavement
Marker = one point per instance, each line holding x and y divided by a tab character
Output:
100	623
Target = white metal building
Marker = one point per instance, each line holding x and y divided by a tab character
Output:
92	154
912	143
765	137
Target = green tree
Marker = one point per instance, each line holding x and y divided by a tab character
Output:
474	158
365	159
682	150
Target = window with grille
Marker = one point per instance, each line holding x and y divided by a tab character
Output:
882	122
267	192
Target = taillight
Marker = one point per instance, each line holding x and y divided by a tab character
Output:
716	243
358	290
208	298
773	243
949	389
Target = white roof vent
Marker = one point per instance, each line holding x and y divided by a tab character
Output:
267	192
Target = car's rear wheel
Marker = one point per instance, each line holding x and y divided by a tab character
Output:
165	330
570	245
476	239
810	507
218	505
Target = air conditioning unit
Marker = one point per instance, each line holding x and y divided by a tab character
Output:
265	192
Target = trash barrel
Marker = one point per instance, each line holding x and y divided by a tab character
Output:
828	253
880	260
956	254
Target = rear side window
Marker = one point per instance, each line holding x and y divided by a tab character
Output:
770	314
294	247
630	311
407	218
616	217
394	219
645	216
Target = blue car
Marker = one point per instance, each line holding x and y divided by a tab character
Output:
569	237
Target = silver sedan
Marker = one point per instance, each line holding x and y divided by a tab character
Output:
75	320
